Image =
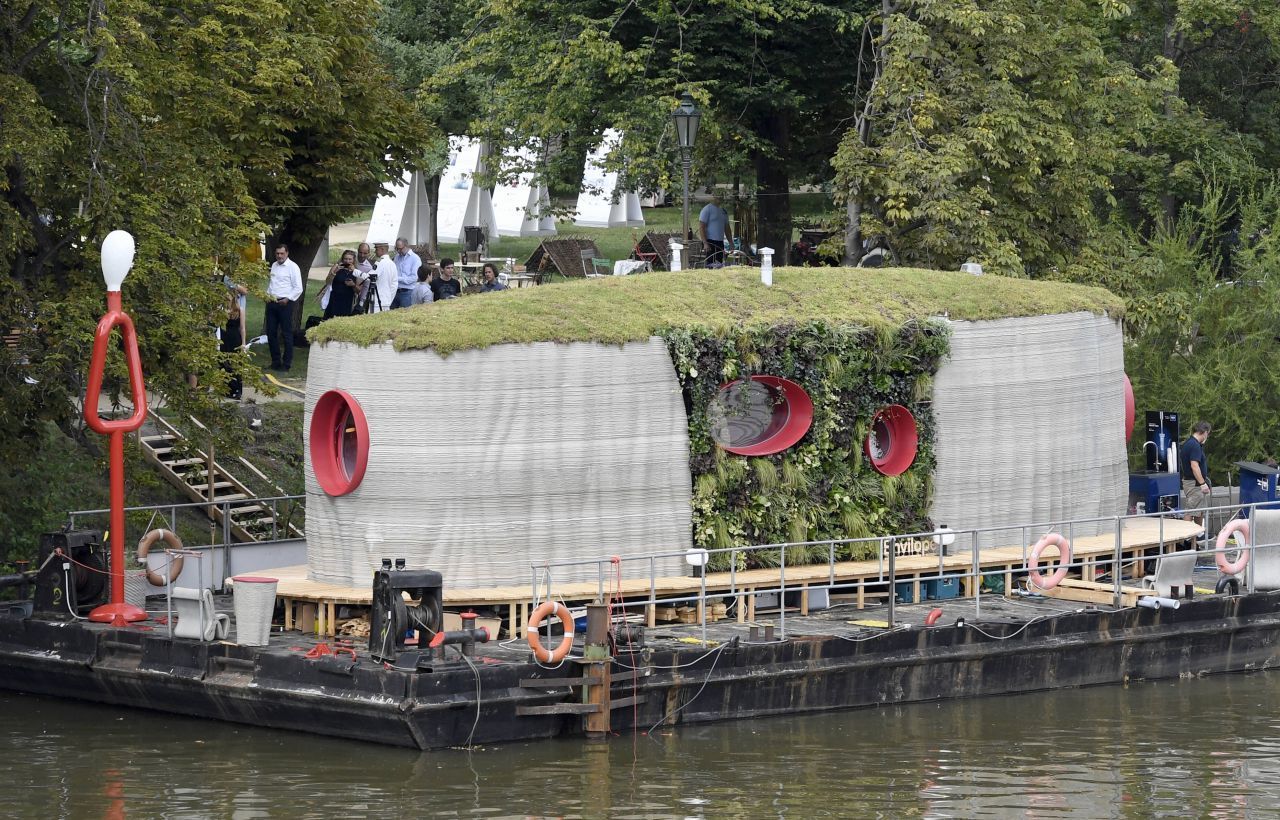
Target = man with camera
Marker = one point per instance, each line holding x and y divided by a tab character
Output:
382	282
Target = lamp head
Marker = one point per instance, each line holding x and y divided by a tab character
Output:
117	258
687	116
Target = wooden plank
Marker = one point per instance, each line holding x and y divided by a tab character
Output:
559	709
1089	592
629	700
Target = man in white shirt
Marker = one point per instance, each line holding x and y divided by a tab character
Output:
284	289
385	270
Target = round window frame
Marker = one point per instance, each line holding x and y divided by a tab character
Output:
1130	409
904	440
327	460
798	408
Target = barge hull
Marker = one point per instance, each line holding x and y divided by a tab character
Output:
278	687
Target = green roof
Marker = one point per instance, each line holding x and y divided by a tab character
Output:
629	308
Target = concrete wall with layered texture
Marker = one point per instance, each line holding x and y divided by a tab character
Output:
489	460
1030	425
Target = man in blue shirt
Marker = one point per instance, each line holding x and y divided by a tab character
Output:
713	226
1194	468
407	264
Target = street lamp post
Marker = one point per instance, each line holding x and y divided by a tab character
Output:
686	116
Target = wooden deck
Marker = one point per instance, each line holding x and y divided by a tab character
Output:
861	577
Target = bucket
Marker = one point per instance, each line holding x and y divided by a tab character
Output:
255	600
136	587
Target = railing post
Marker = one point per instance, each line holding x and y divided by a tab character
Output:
890	545
977	575
782	593
1116	566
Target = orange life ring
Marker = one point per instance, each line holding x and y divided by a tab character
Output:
1039	579
1220	557
175	566
535	643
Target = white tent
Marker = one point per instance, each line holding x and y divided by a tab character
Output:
518	205
600	204
403	212
456	184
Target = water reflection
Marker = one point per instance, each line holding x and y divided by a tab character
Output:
1204	748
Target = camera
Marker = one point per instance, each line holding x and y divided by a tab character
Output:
373	277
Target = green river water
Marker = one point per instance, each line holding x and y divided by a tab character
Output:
1198	748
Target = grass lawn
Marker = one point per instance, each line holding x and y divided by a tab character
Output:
617	309
616	243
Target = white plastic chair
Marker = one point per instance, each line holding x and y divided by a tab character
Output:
194	608
1173	574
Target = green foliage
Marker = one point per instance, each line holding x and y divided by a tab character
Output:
822	488
990	132
1203	306
197	127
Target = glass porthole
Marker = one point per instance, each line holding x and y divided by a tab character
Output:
339	442
759	416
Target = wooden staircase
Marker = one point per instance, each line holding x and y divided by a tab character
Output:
201	478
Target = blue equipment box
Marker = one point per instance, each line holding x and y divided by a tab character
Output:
942	589
1257	483
903	592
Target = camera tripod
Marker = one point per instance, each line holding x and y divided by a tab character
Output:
372	299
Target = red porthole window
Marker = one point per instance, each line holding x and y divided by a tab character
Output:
1129	408
339	442
892	443
760	416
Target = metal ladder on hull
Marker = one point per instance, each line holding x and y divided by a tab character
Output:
201	478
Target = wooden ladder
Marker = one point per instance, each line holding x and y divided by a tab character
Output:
201	478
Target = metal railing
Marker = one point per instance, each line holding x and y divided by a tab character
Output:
886	574
166	515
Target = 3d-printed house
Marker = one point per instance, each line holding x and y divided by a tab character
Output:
650	414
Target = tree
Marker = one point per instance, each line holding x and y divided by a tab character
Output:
772	79
194	126
990	132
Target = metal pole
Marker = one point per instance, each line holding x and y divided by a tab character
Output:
891	546
1115	567
702	605
782	593
977	575
686	163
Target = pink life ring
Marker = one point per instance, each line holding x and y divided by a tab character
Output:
1038	578
1220	558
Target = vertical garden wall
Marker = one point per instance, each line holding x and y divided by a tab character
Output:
824	486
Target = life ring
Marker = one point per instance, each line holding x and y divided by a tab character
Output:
535	621
1038	578
1220	557
148	541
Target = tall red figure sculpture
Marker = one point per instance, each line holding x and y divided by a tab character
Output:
117	259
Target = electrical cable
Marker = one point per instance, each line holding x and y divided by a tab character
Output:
66	586
476	672
719	651
706	654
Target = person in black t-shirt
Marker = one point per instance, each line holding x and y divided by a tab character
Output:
445	286
232	342
1194	468
342	287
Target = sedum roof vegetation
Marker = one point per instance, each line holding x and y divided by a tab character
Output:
630	308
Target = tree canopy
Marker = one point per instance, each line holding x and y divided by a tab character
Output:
198	128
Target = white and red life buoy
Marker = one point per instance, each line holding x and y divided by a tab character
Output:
535	621
1039	579
1240	525
148	541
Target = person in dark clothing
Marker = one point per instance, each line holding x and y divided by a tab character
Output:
233	342
445	286
1194	468
343	285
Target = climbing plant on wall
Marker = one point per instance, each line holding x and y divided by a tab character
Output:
824	487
